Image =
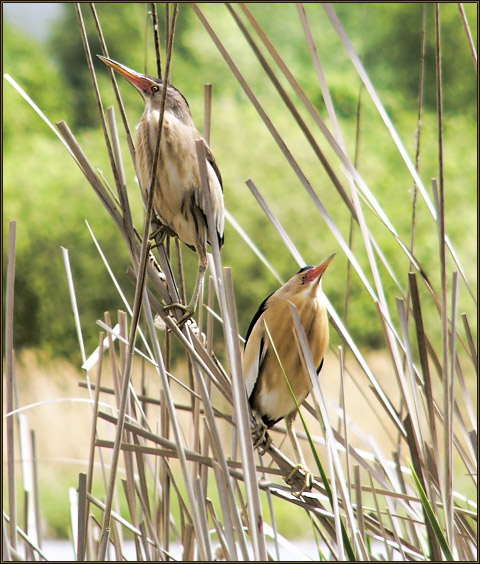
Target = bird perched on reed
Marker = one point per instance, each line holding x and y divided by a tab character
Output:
265	374
179	199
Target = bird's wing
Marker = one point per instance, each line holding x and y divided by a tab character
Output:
262	307
255	348
216	194
320	366
213	163
255	351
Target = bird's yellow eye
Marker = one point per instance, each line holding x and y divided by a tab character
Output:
154	88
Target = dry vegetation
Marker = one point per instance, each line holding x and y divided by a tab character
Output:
160	429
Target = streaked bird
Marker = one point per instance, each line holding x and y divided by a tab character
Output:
179	199
268	392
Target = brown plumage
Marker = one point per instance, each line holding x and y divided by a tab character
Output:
268	392
179	199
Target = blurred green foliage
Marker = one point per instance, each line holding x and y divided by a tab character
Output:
47	195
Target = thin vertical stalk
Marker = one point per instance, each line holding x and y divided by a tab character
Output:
419	129
207	120
156	38
231	341
82	517
228	518
411	398
164	475
36	489
203	554
447	399
181	275
337	482
139	292
88	56
422	352
345	426
93	434
359	504
12	502
391	129
211	299
26	458
320	75
243	420
6	548
114	83
167	20
122	181
27	504
451	399
352	218
113	359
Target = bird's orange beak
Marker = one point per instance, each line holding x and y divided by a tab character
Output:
317	272
140	81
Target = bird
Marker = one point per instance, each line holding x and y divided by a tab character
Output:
179	199
271	333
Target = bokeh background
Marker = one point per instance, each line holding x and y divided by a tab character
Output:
48	197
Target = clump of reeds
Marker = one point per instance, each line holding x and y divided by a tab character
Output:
180	475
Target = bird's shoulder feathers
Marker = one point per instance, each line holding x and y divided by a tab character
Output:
256	317
213	163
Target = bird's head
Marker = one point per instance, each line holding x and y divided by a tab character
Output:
306	283
149	87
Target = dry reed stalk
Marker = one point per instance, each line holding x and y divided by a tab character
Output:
334	140
468	33
338	324
390	127
175	459
10	383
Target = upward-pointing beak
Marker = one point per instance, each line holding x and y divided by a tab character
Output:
317	272
140	81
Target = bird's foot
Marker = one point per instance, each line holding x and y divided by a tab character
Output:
189	311
261	438
155	233
296	475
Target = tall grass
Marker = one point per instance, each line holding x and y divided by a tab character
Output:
176	472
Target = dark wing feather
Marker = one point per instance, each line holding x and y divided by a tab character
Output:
260	361
320	366
213	163
256	317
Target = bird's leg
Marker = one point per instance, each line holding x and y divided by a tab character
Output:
190	308
160	230
261	438
301	465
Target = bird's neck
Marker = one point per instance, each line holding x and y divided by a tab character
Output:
173	108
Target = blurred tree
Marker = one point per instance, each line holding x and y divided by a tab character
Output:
45	192
397	28
128	32
28	63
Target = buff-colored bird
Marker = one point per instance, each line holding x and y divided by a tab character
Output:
268	392
179	198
